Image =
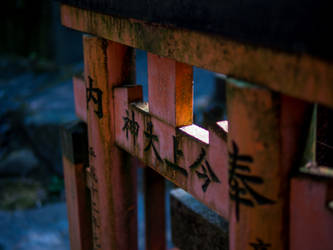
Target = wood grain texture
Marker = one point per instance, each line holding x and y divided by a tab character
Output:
80	98
155	214
265	133
75	142
301	76
296	25
172	151
170	90
112	177
311	222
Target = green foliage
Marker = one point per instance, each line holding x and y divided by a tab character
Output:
56	186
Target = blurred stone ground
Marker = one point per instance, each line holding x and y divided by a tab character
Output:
44	228
36	97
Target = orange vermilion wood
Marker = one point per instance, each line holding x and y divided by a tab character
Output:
79	218
75	160
170	90
154	144
263	143
111	177
154	188
300	76
311	222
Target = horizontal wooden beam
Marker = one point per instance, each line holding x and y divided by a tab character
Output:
300	76
191	157
296	25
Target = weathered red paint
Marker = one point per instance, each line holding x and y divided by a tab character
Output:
154	192
301	76
170	90
75	158
266	126
112	178
80	98
311	222
78	210
190	144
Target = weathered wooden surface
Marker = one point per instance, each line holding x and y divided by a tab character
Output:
295	25
75	160
300	76
184	155
80	99
112	179
155	214
311	221
265	131
170	89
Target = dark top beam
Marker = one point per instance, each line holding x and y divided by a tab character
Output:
291	25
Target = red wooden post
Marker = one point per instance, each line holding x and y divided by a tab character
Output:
154	188
75	160
263	142
112	178
170	90
311	221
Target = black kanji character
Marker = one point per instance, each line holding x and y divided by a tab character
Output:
237	192
131	125
208	177
90	91
176	154
151	139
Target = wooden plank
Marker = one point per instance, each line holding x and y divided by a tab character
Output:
183	155
112	178
295	25
301	76
265	131
80	99
154	192
170	90
75	160
311	221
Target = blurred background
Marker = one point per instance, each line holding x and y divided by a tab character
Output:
38	58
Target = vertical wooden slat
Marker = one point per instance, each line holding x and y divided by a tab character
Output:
75	159
311	221
80	100
170	90
112	178
154	188
264	145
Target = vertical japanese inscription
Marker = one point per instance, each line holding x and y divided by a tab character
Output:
176	154
239	181
92	183
131	125
95	95
260	245
207	173
151	139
